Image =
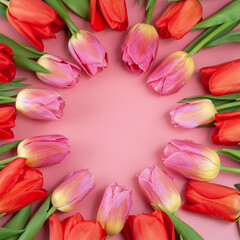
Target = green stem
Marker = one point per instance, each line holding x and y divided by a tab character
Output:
107	237
229	169
238	222
2	166
8	160
5	2
150	12
7	99
51	211
227	105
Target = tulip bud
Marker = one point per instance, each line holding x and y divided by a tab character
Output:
40	103
172	73
114	208
159	189
44	150
193	114
63	74
191	160
73	189
88	52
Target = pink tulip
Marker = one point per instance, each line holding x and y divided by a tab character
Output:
140	47
193	114
172	73
73	189
191	160
114	208
63	74
40	103
159	189
44	150
88	52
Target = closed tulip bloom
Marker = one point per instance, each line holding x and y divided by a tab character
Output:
193	113
159	189
213	200
88	52
191	160
114	208
172	73
7	65
40	103
140	47
7	121
222	79
179	18
63	74
73	189
108	13
44	150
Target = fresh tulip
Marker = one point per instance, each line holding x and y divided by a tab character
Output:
34	19
63	74
193	113
222	79
172	73
108	13
191	160
7	65
114	208
159	189
213	200
20	186
140	47
75	228
7	121
73	189
40	103
44	150
88	52
227	130
155	226
179	18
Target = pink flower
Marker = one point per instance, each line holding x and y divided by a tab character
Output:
40	103
159	189
44	150
114	208
63	74
172	73
140	47
73	189
88	52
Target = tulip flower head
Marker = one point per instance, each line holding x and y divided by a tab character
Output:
172	73
7	121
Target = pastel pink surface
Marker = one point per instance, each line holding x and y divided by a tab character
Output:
118	126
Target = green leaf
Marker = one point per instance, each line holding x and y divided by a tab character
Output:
17	80
3	10
11	85
139	1
237	186
8	146
4	100
234	154
8	94
7	233
2	215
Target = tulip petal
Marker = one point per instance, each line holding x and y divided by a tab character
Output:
56	228
97	21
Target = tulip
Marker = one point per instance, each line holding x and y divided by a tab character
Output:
191	160
63	74
34	19
140	47
179	18
114	208
108	13
20	186
88	52
222	79
172	73
159	189
193	113
73	189
155	226
213	200
74	228
40	103
7	65
7	121
44	150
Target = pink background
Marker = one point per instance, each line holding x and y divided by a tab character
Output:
117	125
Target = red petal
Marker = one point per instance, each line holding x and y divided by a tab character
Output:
227	115
97	21
58	25
7	117
56	228
127	229
6	133
6	49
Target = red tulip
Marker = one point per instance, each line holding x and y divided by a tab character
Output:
7	121
179	18
155	226
213	200
109	13
34	19
7	65
20	186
